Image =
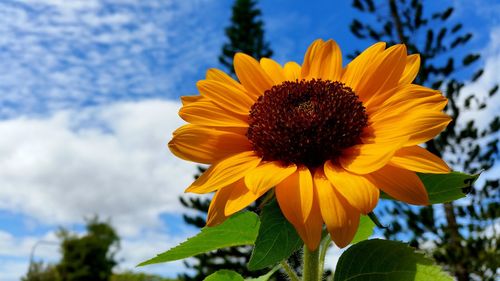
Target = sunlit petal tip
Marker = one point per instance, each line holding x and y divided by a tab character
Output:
185	100
273	69
418	159
251	75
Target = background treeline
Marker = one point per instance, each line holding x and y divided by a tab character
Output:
91	256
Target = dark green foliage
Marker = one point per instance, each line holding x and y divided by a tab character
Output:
132	276
387	261
90	257
462	234
38	271
277	239
245	34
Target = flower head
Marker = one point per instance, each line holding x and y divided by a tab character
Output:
327	138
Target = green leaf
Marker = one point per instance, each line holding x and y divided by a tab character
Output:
224	275
365	229
266	276
239	229
276	241
447	187
443	188
385	260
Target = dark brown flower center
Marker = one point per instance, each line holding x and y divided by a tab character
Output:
306	122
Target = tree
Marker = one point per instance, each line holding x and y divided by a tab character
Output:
90	257
245	34
464	241
133	276
38	271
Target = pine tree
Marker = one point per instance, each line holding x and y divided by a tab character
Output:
460	235
245	34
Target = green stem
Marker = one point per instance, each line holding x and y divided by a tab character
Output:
325	244
289	271
311	265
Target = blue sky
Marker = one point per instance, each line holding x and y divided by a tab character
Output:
88	99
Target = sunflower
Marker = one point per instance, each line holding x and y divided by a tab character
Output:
327	138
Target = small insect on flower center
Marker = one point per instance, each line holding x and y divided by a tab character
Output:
306	122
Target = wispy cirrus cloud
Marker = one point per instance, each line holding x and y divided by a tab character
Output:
57	54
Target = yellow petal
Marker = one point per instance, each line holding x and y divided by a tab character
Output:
206	145
418	159
333	68
411	69
343	236
383	73
295	195
225	172
292	71
226	97
401	184
417	125
427	127
310	230
216	214
358	66
206	113
313	51
189	99
325	62
267	175
221	76
273	70
367	158
357	190
251	75
406	98
341	219
241	197
418	118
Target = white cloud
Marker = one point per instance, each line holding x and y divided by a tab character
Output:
491	57
22	247
110	160
12	270
332	257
